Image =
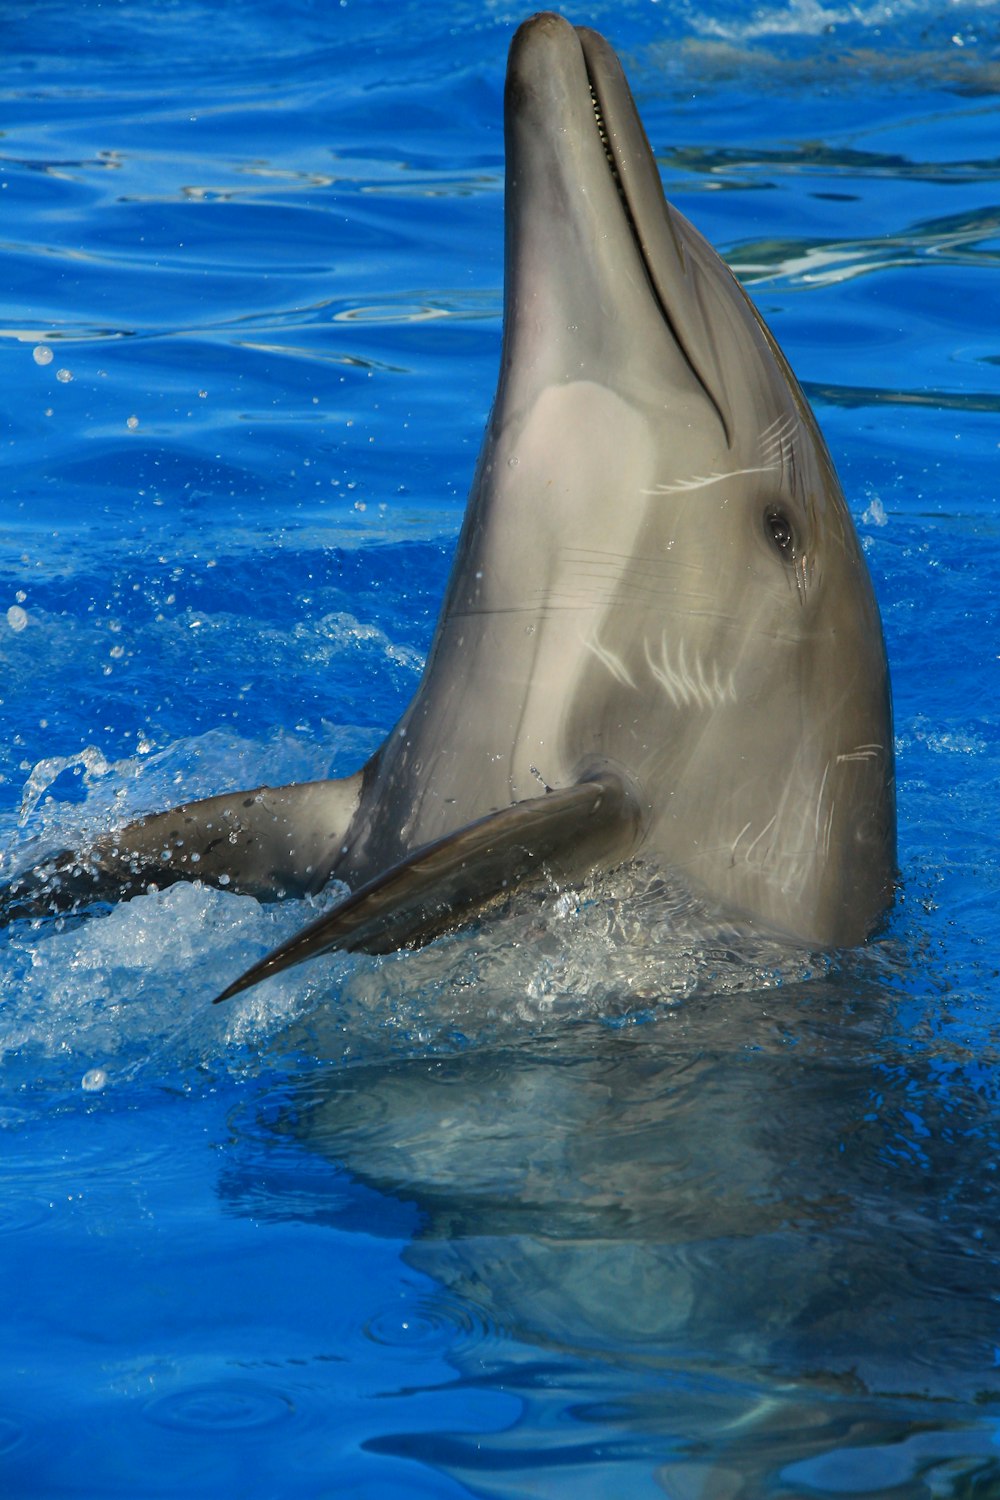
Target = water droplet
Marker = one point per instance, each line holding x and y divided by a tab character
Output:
94	1080
132	423
17	619
42	354
512	463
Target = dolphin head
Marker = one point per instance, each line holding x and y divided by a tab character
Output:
657	549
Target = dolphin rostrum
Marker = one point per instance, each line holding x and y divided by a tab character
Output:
659	638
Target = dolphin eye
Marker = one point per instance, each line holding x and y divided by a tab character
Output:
779	529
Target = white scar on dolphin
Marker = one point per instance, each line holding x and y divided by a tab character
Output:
659	639
776	443
689	685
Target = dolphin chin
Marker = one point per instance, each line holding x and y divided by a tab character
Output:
659	638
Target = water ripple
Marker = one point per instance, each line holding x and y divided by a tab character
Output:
962	240
17	1216
222	1406
438	1323
736	166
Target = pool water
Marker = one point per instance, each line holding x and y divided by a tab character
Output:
587	1201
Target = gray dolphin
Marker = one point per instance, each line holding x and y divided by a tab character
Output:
659	638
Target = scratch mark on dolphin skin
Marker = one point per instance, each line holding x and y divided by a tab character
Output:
766	829
819	809
688	686
747	825
702	481
861	752
777	443
777	448
780	424
614	663
829	827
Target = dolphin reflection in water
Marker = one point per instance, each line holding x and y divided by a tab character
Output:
743	1251
659	639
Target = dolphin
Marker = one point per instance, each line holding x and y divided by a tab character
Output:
659	640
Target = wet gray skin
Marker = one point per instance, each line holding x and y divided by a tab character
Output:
659	638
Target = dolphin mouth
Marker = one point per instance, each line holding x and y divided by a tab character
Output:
605	139
663	240
608	131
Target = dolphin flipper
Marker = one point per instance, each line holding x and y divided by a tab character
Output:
268	842
438	886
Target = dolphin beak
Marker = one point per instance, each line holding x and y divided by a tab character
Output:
591	239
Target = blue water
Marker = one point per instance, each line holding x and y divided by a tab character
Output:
538	1211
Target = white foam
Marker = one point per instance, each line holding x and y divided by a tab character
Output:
111	998
127	997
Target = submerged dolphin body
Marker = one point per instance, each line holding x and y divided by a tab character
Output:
659	637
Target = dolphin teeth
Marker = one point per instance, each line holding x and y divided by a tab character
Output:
602	132
601	128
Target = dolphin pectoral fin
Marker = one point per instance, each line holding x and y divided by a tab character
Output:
267	842
442	883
